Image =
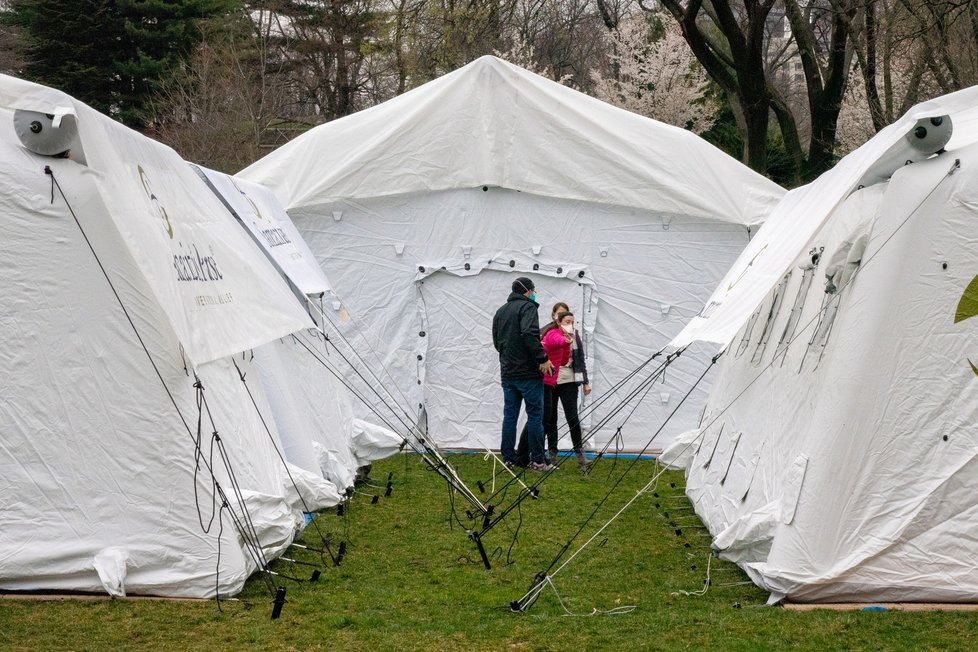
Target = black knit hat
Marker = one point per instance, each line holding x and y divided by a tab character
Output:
522	285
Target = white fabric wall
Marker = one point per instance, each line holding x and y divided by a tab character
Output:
803	211
312	411
494	123
649	273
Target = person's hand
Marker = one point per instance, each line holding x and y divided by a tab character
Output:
587	389
547	367
569	338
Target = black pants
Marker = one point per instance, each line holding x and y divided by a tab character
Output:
566	395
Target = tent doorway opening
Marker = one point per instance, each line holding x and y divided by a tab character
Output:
459	371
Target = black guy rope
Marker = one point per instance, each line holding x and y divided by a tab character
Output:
438	465
614	412
285	464
410	421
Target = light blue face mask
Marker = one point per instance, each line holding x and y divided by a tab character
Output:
533	296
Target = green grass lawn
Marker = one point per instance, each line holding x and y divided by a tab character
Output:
412	581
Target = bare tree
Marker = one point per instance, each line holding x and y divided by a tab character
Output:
223	107
732	40
821	32
11	60
322	45
655	75
729	42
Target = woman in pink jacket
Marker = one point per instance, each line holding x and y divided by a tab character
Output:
557	344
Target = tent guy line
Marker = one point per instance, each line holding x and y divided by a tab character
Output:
305	505
543	579
618	408
523	603
597	403
837	297
422	447
252	545
251	538
412	428
439	466
324	317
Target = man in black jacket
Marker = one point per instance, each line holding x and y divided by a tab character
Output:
522	363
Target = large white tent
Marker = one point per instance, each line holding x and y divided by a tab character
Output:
836	457
133	456
423	210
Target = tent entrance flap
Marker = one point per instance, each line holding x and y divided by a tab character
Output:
456	315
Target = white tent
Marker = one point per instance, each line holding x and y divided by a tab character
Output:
835	460
311	406
127	294
423	210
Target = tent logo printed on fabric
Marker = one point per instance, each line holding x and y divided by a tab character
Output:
189	265
274	237
967	308
160	211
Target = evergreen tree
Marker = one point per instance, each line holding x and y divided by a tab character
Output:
112	54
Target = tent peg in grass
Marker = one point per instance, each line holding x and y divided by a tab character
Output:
474	536
278	602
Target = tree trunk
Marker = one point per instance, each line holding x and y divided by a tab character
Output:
735	62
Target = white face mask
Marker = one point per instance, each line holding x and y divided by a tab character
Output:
567	328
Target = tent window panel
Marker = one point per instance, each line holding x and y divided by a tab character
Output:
733	454
772	315
706	465
788	334
748	329
838	275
